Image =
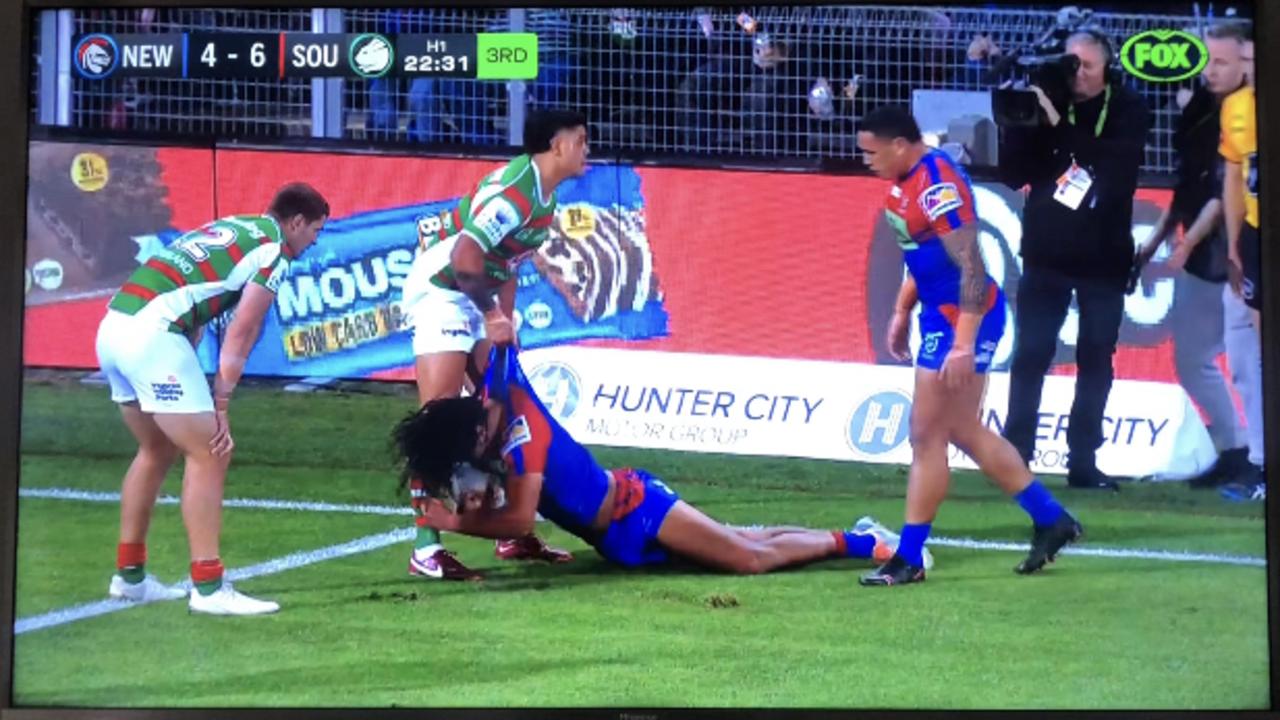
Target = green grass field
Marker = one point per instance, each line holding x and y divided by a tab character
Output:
1091	632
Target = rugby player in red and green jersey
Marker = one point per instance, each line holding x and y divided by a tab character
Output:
931	209
146	348
460	293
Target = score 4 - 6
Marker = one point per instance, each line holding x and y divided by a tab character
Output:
238	55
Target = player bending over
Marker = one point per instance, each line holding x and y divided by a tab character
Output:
962	318
501	458
466	257
146	347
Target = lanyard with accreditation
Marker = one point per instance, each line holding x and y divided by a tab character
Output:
1074	184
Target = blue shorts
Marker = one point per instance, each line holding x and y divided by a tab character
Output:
937	335
632	540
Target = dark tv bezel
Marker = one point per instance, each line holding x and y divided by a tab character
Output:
15	126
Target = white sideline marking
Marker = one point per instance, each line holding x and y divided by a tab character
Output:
965	543
270	567
1135	554
111	497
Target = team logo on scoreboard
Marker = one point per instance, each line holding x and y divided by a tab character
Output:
371	55
96	56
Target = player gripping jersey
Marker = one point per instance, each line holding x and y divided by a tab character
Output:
508	215
466	257
508	438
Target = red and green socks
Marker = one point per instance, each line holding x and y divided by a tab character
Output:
206	575
427	536
131	561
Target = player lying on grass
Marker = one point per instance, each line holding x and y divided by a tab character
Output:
961	320
146	348
500	458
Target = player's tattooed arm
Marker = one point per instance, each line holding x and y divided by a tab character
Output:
962	246
467	261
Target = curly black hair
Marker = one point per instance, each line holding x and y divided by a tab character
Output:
431	441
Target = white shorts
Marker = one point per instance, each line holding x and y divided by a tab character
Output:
445	321
156	368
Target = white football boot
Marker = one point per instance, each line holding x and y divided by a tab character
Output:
229	601
149	590
868	524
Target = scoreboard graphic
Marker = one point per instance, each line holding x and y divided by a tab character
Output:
479	56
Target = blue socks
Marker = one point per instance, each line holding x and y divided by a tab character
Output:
912	543
858	545
1039	504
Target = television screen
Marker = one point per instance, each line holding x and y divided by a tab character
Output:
646	360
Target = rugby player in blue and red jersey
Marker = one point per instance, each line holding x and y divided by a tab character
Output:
930	207
506	438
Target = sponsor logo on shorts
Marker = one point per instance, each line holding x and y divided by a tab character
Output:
940	199
455	332
168	391
931	341
986	351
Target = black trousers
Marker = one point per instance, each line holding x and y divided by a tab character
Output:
1042	302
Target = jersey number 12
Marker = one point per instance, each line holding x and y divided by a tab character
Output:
204	239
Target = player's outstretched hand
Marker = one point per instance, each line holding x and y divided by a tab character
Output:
498	329
957	369
899	339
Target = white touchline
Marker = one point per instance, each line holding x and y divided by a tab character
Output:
270	567
966	543
1136	553
253	503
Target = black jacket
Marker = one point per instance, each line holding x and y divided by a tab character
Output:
1095	240
1199	168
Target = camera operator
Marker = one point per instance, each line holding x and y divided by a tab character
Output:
1081	163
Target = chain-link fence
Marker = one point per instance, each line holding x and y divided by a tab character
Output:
425	109
233	107
772	82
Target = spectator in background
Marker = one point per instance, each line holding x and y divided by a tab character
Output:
763	102
1082	166
385	92
979	57
704	95
475	105
1205	312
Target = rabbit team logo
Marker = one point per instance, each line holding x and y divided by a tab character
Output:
371	55
96	56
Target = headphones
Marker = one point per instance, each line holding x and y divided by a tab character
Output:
1110	73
